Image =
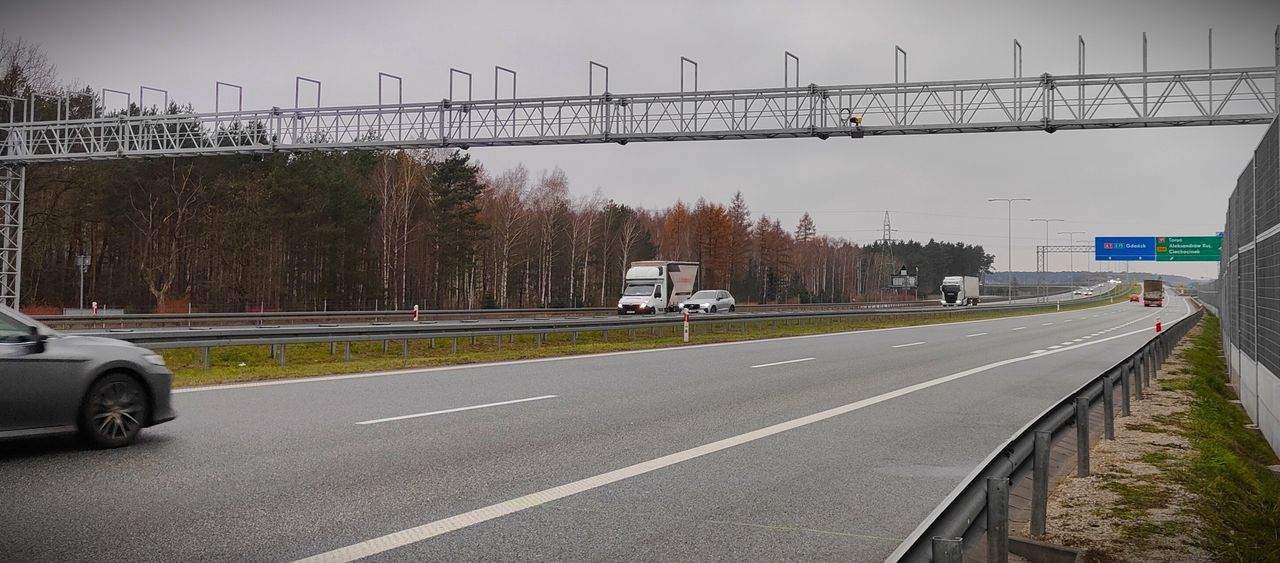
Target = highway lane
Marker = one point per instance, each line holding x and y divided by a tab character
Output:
279	472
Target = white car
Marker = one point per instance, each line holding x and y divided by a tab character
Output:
709	301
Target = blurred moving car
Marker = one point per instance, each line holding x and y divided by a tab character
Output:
104	389
1134	298
710	301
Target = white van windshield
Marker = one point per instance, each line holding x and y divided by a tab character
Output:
643	290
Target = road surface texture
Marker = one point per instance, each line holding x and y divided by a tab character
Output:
828	447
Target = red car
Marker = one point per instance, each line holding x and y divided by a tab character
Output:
1134	298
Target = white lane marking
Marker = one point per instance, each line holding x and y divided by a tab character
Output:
1046	324
1067	343
459	409
427	531
905	345
1077	339
1038	351
976	334
1054	347
1068	320
420	371
786	362
1085	337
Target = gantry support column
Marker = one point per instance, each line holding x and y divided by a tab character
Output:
12	191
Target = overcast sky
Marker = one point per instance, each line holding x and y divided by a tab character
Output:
1131	182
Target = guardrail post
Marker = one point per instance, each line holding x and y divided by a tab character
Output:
282	347
1082	437
1139	369
997	520
455	345
1108	408
433	343
204	358
404	345
1126	375
538	337
1040	482
384	347
346	350
948	550
333	348
499	342
575	337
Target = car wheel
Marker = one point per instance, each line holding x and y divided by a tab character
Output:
713	308
732	308
114	410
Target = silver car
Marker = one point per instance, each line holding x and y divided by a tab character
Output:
709	301
106	390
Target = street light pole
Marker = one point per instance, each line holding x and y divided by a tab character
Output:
82	262
1009	281
1044	290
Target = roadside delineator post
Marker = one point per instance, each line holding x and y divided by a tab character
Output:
1157	325
686	326
415	313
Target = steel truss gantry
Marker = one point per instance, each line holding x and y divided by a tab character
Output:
1209	96
1042	258
1044	103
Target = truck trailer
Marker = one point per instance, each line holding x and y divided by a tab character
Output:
959	290
656	286
1152	293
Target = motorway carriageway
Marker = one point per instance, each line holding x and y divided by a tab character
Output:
824	447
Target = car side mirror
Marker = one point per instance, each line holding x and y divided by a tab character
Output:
37	341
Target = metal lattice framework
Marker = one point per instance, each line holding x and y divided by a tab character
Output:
1226	96
12	186
1044	103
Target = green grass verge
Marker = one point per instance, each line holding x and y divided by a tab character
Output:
1239	497
253	363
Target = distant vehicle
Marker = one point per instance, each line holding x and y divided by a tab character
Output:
709	301
1088	292
1134	298
1152	293
653	286
106	390
959	290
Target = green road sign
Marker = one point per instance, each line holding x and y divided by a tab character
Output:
1188	249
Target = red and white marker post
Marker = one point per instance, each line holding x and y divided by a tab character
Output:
415	313
95	307
1158	327
686	324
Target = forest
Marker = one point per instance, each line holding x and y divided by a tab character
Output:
393	229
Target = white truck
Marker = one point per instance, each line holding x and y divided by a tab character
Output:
959	290
653	286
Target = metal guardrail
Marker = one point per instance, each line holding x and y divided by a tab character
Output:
278	337
978	509
71	322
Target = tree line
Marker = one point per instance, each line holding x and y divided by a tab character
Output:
393	229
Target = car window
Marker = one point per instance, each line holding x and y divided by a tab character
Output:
11	330
704	295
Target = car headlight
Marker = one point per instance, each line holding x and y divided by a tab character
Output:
154	359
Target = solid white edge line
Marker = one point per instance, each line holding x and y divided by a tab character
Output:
908	344
415	371
976	334
459	409
432	529
781	363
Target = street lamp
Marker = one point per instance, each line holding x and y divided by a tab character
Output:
1044	290
82	262
1009	281
1071	254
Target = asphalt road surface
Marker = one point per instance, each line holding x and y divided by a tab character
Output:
830	447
